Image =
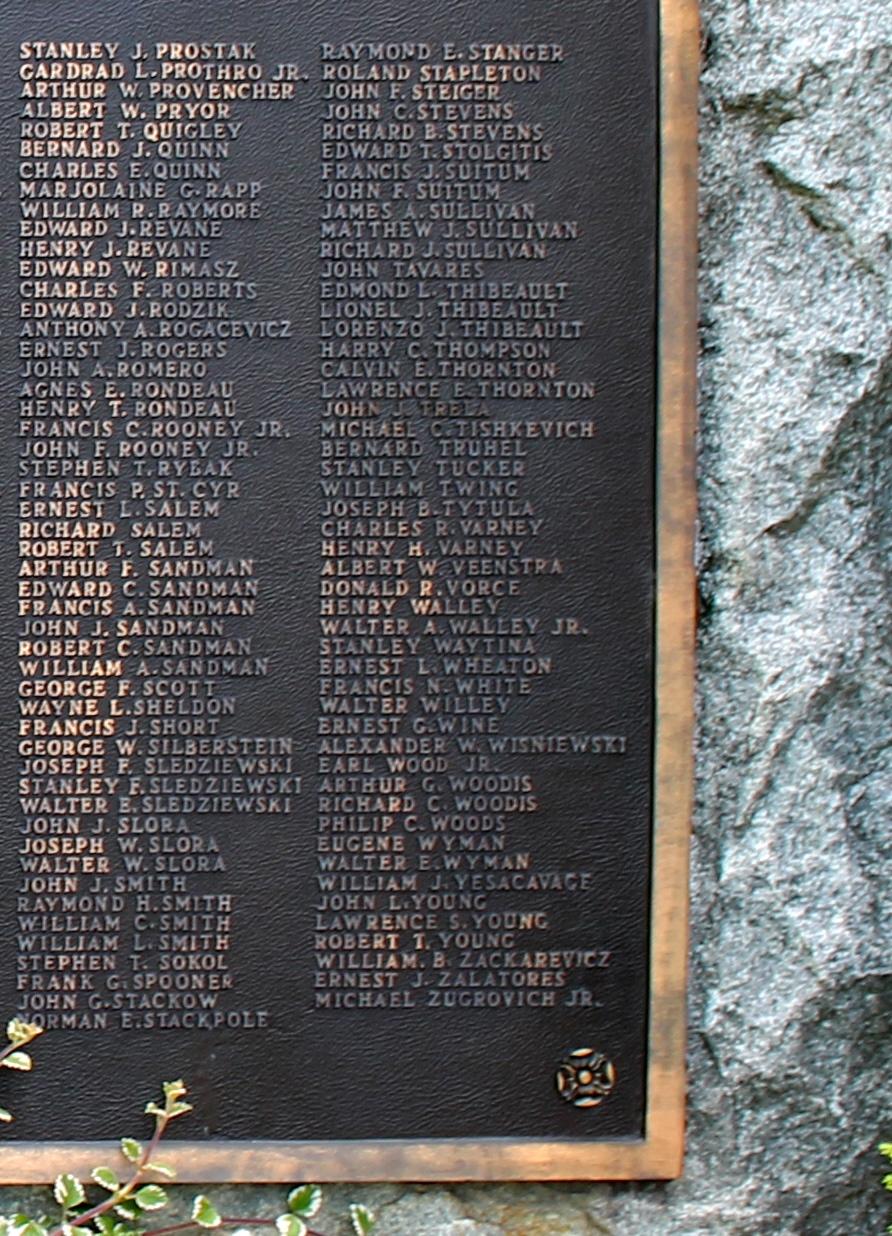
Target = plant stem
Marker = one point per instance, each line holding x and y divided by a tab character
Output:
122	1193
142	1165
174	1227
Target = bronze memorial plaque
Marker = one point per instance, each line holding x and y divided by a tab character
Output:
347	360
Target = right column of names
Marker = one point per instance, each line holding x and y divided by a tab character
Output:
457	409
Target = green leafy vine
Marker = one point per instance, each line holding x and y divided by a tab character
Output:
129	1201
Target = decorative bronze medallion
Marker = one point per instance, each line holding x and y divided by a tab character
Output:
585	1078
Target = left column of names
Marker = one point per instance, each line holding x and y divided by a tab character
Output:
137	629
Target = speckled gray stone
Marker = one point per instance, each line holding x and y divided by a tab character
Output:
789	1043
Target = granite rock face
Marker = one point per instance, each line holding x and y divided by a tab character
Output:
789	1036
790	992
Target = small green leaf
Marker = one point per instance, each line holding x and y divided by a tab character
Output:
204	1212
290	1225
106	1222
127	1210
68	1191
150	1197
163	1169
305	1200
32	1229
363	1219
17	1222
18	1060
174	1090
5	1116
152	1109
19	1032
105	1177
178	1109
130	1148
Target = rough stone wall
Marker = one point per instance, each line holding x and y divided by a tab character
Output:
789	1036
